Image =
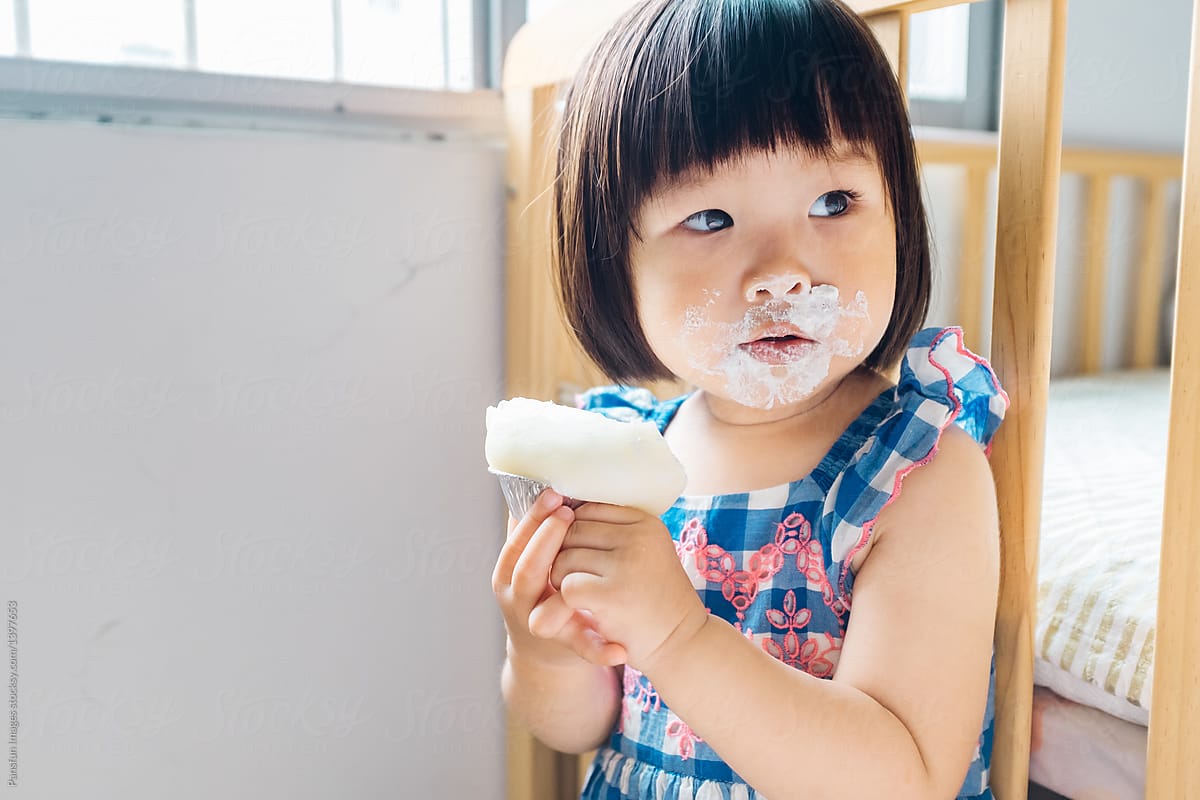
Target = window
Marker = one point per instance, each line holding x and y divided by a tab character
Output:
428	44
938	54
8	29
536	8
954	66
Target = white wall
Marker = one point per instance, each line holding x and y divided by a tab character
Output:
1127	70
244	508
1125	87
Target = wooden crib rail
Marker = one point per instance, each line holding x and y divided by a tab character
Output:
1032	66
550	51
1172	767
1153	174
871	8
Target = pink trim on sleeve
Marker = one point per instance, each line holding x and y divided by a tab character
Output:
869	526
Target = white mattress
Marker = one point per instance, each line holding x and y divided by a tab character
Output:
1101	520
1085	754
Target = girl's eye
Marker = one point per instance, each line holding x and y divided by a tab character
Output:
834	204
712	219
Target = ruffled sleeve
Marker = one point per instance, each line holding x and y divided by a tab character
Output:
628	404
939	368
941	383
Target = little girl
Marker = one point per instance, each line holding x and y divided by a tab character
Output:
738	206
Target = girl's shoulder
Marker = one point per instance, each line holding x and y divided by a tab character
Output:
629	404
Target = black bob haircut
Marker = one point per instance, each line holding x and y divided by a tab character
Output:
678	86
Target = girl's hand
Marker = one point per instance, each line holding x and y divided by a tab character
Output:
620	564
521	582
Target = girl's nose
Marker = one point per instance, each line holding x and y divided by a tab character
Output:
769	287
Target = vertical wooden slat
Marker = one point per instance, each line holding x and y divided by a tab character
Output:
585	762
532	767
1173	770
1150	274
535	772
546	330
518	110
517	272
891	29
1027	213
1095	265
970	275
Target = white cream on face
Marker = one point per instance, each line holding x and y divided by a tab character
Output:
716	348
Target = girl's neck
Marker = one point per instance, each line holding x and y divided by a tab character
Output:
724	453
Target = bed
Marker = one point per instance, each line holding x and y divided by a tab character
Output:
1115	727
1098	567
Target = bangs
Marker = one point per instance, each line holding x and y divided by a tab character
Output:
725	78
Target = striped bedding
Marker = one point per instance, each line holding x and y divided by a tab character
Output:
1101	519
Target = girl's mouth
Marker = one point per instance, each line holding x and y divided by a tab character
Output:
778	350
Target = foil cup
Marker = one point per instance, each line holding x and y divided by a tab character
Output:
521	492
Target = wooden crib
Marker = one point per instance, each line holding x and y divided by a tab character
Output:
542	361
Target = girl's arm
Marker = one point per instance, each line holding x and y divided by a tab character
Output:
560	683
571	709
903	714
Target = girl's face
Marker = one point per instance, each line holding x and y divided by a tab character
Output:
768	282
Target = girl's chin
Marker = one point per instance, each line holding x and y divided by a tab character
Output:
754	383
779	400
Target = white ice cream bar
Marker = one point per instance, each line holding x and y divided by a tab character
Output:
583	454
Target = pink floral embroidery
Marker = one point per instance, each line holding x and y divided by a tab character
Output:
794	537
640	693
813	654
717	565
790	618
692	537
640	689
677	728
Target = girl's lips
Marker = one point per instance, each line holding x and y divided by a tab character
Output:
779	330
778	351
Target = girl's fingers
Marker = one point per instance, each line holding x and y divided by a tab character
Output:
590	645
612	514
578	559
549	617
592	535
554	619
582	589
519	534
598	650
531	574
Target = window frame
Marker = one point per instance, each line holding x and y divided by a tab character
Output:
36	89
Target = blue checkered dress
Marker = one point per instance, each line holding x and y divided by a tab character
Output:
776	562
